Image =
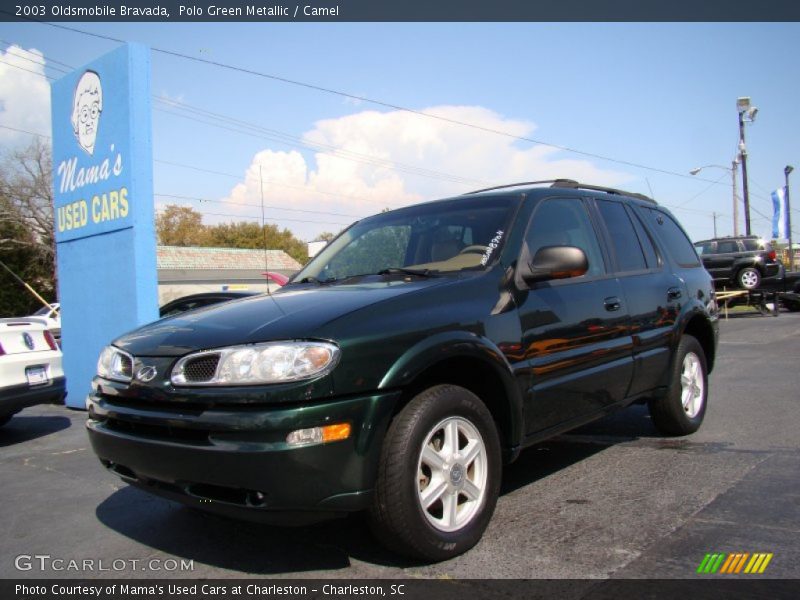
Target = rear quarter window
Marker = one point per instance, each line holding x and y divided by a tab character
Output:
753	245
672	236
704	248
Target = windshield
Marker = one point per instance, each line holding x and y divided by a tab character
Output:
47	311
425	239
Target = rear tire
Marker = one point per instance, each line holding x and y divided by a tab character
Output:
439	475
748	278
791	305
681	410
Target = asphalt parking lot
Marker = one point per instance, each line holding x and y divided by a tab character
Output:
611	500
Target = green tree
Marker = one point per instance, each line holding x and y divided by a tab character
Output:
181	226
27	243
251	235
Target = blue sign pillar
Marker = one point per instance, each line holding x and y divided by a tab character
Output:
103	183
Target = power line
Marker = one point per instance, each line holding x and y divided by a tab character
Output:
369	159
320	212
295	141
695	210
239	177
25	131
36	62
281	137
28	70
388	164
50	60
673	207
701	192
269	218
223	174
373	101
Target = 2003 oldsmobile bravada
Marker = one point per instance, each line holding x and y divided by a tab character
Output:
417	352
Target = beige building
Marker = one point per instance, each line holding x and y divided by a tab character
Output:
184	270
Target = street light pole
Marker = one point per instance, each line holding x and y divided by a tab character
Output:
788	169
744	108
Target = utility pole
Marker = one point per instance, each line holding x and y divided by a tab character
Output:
734	164
744	108
715	223
745	194
788	169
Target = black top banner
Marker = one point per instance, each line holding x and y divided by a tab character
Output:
401	10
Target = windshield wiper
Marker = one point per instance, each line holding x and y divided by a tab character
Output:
402	271
315	280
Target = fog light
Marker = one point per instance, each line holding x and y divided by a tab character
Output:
319	435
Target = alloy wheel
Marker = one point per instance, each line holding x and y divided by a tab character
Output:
692	385
452	474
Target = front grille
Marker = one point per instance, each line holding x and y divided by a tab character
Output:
178	406
201	368
159	431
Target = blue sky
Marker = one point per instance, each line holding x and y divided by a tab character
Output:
661	95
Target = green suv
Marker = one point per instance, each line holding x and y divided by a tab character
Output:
418	352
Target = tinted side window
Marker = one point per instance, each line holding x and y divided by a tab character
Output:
672	237
649	247
565	222
624	240
704	248
727	247
754	245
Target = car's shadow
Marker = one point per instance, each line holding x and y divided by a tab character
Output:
750	314
23	428
264	549
539	461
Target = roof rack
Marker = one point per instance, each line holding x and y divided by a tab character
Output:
510	185
572	184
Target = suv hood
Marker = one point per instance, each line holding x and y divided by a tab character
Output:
291	313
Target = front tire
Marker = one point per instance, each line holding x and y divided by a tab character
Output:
439	475
748	278
681	410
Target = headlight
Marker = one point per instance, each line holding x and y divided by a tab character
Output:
273	362
115	364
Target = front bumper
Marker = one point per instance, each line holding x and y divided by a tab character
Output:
234	460
16	397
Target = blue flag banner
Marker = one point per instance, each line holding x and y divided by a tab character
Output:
780	229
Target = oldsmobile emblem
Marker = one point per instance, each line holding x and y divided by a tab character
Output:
146	374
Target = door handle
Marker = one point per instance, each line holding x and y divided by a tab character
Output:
674	293
613	303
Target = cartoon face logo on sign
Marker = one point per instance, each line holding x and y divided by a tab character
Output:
87	104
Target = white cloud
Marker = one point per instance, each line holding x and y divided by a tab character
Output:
396	158
24	94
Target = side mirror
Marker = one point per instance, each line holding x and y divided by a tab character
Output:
555	262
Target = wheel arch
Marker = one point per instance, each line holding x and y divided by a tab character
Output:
699	327
469	361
